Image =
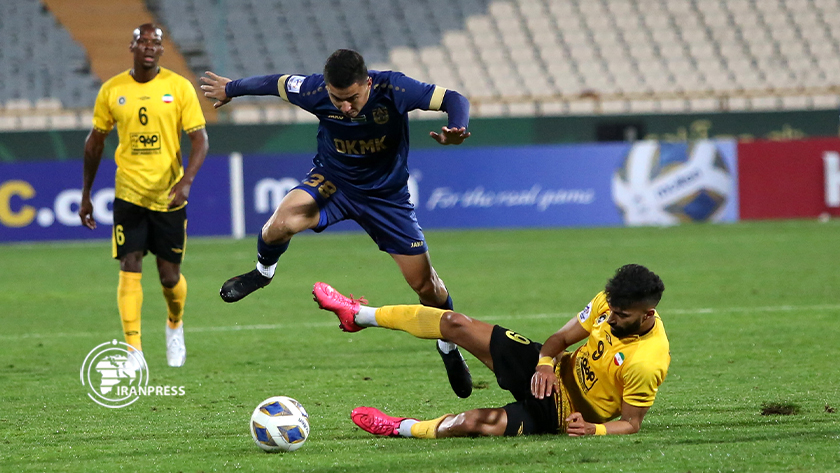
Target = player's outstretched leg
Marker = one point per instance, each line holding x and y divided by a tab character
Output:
342	306
376	422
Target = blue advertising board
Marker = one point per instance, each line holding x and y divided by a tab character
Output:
643	183
40	200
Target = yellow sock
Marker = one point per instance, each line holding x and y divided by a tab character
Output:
176	297
427	429
130	302
418	320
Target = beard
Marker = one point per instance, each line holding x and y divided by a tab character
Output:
626	331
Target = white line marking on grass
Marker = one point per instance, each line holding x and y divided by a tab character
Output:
563	316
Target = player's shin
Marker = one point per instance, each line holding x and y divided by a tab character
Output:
176	298
424	429
130	303
268	255
417	320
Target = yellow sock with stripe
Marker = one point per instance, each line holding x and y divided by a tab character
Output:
130	303
176	298
418	320
427	429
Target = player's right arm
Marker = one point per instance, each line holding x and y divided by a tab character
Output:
223	89
544	381
94	145
103	122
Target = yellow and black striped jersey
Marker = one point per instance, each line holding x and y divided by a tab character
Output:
149	118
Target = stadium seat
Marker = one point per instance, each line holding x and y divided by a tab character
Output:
677	54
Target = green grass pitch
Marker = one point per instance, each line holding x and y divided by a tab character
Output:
752	312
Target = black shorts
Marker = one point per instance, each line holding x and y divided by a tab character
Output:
514	362
137	228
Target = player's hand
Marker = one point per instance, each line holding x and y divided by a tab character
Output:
179	194
577	427
450	136
544	382
86	213
214	88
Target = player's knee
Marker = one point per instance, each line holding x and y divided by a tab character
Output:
169	280
471	423
425	287
277	231
452	322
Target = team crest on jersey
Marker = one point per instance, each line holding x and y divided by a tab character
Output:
380	115
168	98
294	83
584	314
602	318
121	100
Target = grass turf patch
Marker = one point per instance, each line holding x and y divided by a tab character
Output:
750	310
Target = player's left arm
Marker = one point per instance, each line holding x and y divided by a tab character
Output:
193	122
419	95
629	423
458	108
199	144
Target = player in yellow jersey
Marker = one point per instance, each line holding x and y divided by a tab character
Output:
606	386
150	107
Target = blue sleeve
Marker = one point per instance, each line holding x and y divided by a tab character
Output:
411	94
256	85
457	107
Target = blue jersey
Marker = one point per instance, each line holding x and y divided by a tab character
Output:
370	150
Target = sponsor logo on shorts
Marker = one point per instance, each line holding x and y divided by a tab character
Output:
416	244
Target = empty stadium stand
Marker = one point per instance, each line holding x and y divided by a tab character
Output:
511	57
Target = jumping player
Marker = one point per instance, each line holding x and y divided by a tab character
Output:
360	172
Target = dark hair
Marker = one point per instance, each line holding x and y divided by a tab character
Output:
344	68
633	283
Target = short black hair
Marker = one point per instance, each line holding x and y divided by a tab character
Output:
633	283
344	68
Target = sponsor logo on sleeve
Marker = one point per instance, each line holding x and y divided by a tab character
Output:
294	83
584	314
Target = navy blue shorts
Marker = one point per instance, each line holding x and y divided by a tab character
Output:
388	219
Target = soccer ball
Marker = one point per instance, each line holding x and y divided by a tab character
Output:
671	183
279	424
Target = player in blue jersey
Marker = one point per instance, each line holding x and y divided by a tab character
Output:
360	172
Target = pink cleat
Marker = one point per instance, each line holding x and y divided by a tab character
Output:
344	307
376	422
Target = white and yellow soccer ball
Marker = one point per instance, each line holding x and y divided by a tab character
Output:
671	183
279	424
